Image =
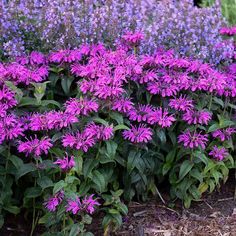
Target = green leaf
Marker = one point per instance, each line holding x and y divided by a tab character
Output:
25	169
100	121
33	192
213	127
66	84
12	209
133	159
27	101
203	187
99	180
185	167
45	103
195	173
121	127
171	156
44	182
88	166
117	117
59	186
75	230
219	101
16	161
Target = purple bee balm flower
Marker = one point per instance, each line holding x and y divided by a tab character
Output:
193	139
224	134
74	206
141	113
66	163
181	103
219	153
7	98
37	58
89	204
10	127
35	146
133	39
161	117
123	105
65	56
52	203
79	141
140	134
197	117
81	106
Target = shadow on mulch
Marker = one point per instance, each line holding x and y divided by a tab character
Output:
214	215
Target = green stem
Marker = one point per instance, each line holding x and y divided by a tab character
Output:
210	103
34	211
7	160
64	224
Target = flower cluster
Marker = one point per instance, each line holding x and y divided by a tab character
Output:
228	31
87	204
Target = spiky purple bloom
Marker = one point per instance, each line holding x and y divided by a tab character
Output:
11	127
133	39
52	203
230	31
219	153
7	98
181	103
193	139
140	134
89	204
74	206
123	105
35	147
66	163
161	117
65	56
197	117
224	134
81	106
140	113
79	141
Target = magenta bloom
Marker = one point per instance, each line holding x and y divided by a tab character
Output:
193	139
133	39
52	203
35	146
10	127
79	141
181	103
140	134
228	31
162	88
74	206
81	106
141	113
65	56
123	105
161	117
197	117
89	204
7	98
37	58
219	153
224	134
66	163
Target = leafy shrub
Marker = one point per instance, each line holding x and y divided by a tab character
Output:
178	25
82	128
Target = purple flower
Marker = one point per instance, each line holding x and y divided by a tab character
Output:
7	98
224	134
161	117
65	163
65	56
193	139
219	153
74	206
35	146
140	134
197	117
181	103
79	141
133	39
141	113
89	204
52	203
81	106
123	105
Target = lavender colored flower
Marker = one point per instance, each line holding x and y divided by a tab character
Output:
65	163
52	203
193	139
161	117
224	134
197	117
89	204
219	153
123	105
35	147
181	103
141	113
74	206
140	134
81	106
